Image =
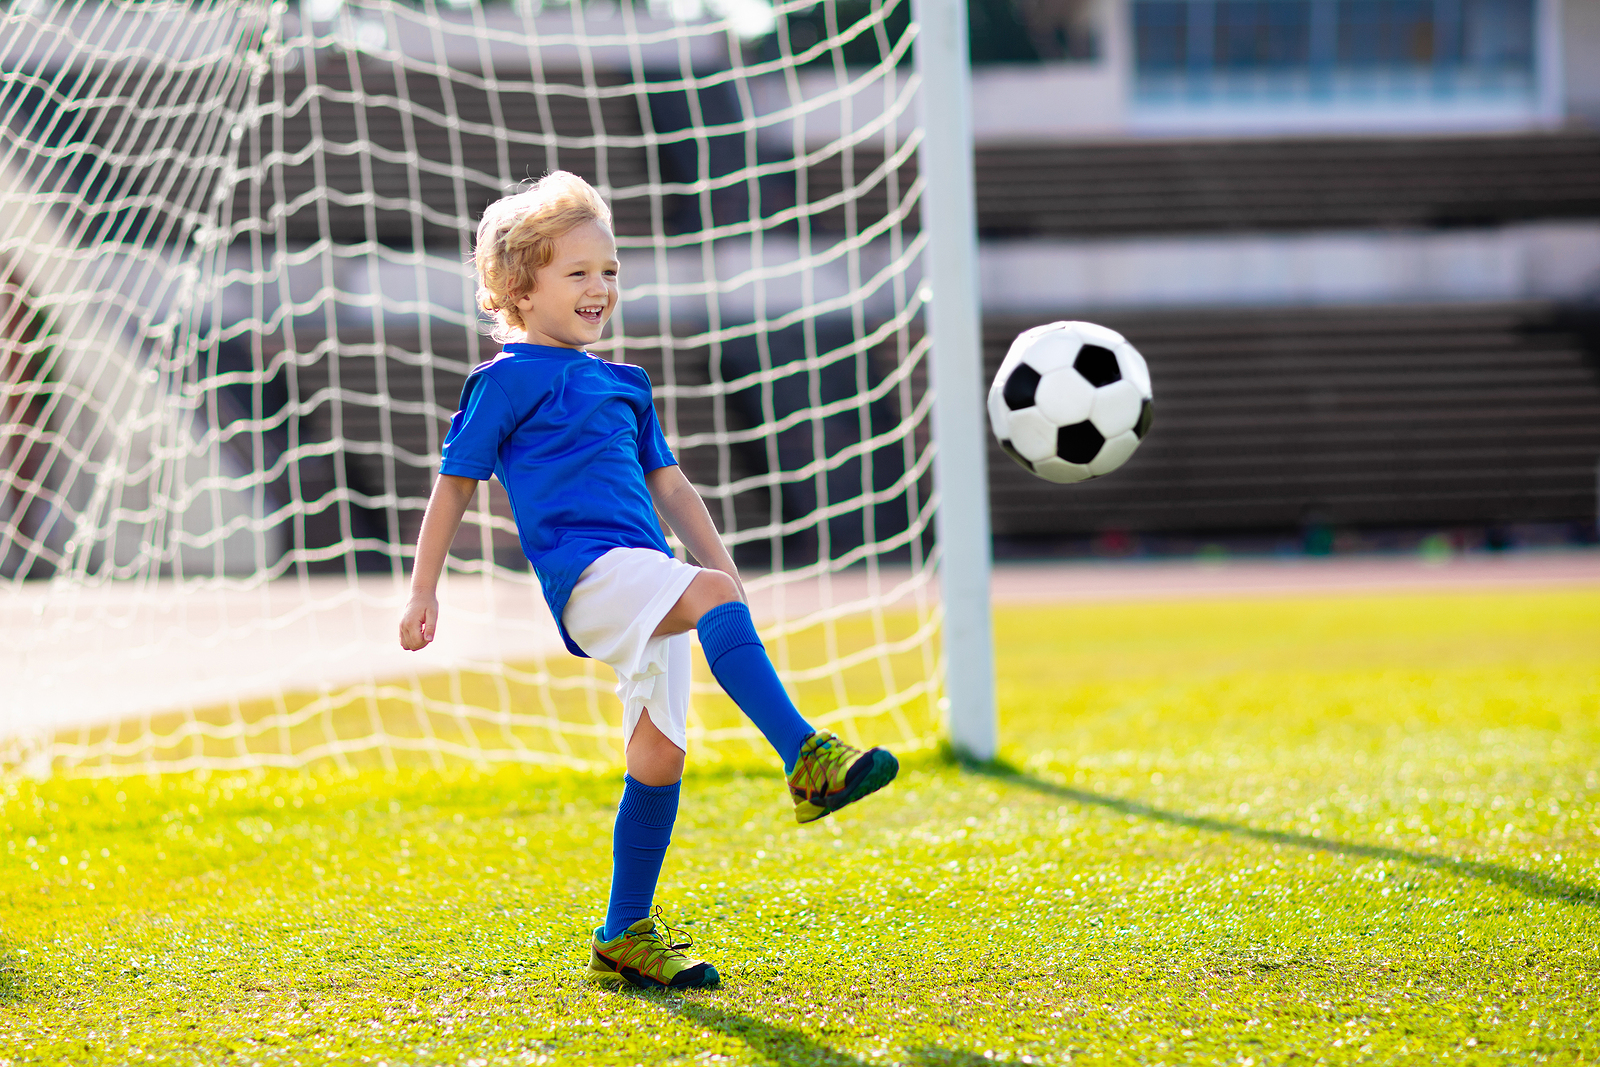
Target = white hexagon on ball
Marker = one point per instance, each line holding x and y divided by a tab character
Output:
1026	337
1065	397
1050	351
1055	469
1092	333
1032	435
1116	408
1114	453
999	414
1133	367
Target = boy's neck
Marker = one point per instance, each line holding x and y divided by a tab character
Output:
526	340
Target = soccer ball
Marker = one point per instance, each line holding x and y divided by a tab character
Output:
1072	401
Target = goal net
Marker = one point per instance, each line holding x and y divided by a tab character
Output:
236	315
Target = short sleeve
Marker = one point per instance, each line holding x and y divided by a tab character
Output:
485	420
653	450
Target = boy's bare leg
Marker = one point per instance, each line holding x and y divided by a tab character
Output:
710	589
652	758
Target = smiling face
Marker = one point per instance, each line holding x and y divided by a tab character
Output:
576	292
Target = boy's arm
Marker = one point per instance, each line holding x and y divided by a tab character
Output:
686	513
451	495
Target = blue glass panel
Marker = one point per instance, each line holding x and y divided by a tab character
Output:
1240	50
1160	30
1387	33
1497	34
1263	34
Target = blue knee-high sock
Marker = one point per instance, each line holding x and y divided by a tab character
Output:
739	662
638	845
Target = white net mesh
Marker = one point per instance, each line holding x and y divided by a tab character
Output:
235	319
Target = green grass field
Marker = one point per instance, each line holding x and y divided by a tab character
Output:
1343	830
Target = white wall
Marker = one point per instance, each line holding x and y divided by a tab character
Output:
1530	261
1010	103
1580	40
1059	101
1051	102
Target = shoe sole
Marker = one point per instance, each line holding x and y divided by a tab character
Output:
614	980
605	978
881	773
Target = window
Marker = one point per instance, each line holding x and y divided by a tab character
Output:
1327	49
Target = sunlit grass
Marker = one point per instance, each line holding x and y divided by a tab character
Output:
1360	829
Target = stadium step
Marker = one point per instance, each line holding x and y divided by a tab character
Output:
1125	188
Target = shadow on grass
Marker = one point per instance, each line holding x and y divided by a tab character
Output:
776	1043
1529	882
791	1048
931	1056
11	981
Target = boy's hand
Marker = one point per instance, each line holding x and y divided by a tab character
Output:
445	507
418	621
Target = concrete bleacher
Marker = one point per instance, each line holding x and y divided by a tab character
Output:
1259	184
1287	183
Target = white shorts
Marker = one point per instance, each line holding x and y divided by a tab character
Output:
614	609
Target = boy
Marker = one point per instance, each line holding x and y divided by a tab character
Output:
575	441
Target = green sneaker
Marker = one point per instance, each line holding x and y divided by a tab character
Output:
828	774
640	957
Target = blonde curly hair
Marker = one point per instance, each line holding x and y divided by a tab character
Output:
517	236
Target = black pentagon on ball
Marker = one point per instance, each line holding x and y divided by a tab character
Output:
1078	443
1146	413
1018	390
1011	450
1097	365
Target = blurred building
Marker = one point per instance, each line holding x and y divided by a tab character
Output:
1358	240
1230	67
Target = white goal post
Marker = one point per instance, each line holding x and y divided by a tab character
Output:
961	472
235	316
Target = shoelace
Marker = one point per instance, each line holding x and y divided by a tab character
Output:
669	935
656	953
830	756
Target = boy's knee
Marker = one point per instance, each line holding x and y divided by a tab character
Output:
652	758
658	772
711	589
720	589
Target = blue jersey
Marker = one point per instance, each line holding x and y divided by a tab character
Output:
570	436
